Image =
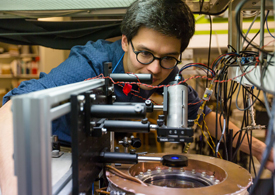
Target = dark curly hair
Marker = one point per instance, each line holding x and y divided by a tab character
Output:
169	17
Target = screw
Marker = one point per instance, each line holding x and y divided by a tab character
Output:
193	171
203	174
140	173
104	131
80	98
149	171
93	96
217	181
181	170
158	169
148	102
212	178
170	169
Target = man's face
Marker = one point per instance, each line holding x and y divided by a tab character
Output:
157	44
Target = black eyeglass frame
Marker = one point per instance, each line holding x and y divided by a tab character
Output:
154	57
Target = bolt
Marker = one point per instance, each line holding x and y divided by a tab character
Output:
144	121
140	173
158	169
181	170
203	174
80	98
148	102
193	171
104	131
170	169
149	171
217	181
113	97
212	178
93	96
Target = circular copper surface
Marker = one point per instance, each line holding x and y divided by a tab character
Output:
233	179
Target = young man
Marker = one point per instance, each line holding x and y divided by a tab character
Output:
154	33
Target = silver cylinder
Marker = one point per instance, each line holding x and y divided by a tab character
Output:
177	106
149	158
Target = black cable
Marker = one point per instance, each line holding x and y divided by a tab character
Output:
255	96
237	134
269	143
212	14
238	147
240	135
259	87
250	153
238	96
201	2
250	42
237	20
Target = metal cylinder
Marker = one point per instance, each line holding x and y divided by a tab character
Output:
118	111
117	157
149	158
127	126
177	106
143	78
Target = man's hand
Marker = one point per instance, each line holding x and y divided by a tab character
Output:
270	161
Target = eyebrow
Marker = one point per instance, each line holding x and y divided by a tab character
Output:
142	47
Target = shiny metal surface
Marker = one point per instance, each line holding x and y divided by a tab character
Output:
178	103
149	158
203	175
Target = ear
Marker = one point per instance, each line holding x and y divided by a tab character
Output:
124	43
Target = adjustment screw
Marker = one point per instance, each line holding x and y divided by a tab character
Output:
193	171
148	102
217	181
144	121
181	170
140	173
170	169
149	171
203	174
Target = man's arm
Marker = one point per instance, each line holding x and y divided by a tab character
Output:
258	147
8	181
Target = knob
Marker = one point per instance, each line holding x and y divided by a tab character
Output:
135	142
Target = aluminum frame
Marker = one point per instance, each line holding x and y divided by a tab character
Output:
32	117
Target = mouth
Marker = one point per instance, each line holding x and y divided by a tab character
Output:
155	80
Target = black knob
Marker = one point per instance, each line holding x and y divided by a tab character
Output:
135	142
175	160
161	117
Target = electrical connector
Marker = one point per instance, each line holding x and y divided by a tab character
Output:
207	94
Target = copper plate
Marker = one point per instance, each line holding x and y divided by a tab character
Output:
233	178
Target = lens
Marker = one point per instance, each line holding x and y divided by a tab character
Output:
145	57
168	62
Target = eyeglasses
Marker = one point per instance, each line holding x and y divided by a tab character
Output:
146	57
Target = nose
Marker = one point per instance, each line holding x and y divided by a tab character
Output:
154	67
